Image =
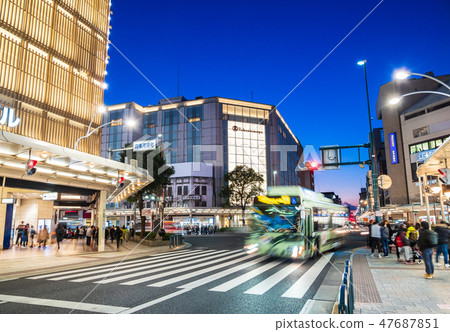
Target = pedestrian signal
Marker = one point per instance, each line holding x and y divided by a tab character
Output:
120	182
445	175
29	168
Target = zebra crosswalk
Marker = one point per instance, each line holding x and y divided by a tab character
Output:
219	271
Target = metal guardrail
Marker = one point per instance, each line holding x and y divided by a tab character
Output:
346	298
176	240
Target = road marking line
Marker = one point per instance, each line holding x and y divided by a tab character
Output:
200	272
307	307
245	277
105	309
151	303
1	302
119	268
301	286
267	284
165	274
164	267
208	279
42	276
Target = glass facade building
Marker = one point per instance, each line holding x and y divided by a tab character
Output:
219	132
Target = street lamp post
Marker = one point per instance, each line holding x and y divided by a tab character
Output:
401	75
129	123
372	152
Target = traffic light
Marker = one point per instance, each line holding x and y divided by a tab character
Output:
445	175
29	168
312	165
120	182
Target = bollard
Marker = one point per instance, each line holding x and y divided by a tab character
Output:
342	301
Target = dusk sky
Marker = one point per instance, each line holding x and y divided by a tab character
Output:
233	48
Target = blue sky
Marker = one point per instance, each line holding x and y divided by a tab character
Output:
233	48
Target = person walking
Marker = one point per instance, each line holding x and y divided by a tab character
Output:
59	234
43	236
442	247
32	234
125	234
106	234
385	238
112	232
24	240
427	241
375	238
19	230
89	232
132	231
118	234
413	235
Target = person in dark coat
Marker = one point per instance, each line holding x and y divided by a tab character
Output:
59	234
118	234
443	234
426	246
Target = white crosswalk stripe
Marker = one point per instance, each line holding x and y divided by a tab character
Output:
148	268
301	286
207	257
270	282
192	267
245	277
208	279
152	258
200	272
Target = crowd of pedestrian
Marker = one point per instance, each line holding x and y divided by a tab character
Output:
416	242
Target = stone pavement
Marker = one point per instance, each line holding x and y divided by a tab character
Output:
385	286
19	262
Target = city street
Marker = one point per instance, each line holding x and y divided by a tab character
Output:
212	276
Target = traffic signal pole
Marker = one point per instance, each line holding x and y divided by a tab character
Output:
373	163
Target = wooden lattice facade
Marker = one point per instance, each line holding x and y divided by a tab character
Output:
53	56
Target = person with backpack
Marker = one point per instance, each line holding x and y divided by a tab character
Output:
442	247
403	244
413	235
428	239
375	238
32	234
59	234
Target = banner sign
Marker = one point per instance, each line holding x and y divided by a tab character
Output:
393	148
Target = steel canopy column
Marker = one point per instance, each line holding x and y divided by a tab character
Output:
101	219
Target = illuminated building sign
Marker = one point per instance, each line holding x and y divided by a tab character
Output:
424	155
144	145
286	200
9	118
393	148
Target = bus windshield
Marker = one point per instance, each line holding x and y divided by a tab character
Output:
270	218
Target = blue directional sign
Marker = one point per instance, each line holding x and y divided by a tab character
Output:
393	148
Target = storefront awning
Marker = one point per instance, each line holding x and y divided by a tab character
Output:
439	159
64	166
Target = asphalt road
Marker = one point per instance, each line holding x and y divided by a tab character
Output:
213	276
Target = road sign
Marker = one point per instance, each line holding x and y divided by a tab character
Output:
384	181
144	145
330	156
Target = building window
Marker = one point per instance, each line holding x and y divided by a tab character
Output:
203	204
203	190
150	122
197	190
179	191
169	191
185	190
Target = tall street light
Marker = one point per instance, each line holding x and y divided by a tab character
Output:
129	123
401	75
372	152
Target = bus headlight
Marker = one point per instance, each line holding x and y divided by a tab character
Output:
297	251
251	248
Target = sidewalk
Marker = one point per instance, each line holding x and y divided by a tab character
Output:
19	262
385	286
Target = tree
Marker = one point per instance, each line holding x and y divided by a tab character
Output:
154	162
242	184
